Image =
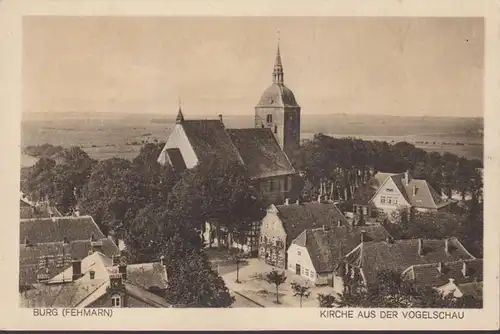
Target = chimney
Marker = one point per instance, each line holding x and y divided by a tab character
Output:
287	201
77	269
414	192
116	280
96	246
162	258
440	267
297	202
452	281
420	247
363	235
388	239
220	117
122	269
339	223
464	268
446	246
406	178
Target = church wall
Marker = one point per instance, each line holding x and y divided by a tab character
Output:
277	120
178	139
291	130
275	189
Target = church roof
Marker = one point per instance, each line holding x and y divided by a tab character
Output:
277	95
261	152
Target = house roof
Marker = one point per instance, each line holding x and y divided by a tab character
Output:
417	192
261	152
473	289
42	230
326	247
298	217
209	138
398	255
54	257
429	274
62	291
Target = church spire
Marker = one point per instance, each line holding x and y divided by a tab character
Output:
180	116
278	66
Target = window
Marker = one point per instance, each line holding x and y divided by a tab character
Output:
395	201
389	200
269	118
365	210
312	273
116	300
382	199
275	129
298	253
306	272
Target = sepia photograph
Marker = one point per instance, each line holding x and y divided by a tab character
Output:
334	163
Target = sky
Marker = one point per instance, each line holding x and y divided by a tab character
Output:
221	65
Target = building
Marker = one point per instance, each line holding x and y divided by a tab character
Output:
29	209
316	253
459	290
48	245
99	281
388	192
369	258
262	148
283	223
439	274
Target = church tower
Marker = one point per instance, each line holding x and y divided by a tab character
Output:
278	110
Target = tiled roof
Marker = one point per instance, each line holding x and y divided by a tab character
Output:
53	258
429	274
473	289
398	255
261	152
62	291
59	295
209	138
326	247
42	230
176	159
298	217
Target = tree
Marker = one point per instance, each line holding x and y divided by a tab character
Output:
327	300
302	291
193	283
277	279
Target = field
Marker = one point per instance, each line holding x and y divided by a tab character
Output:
111	135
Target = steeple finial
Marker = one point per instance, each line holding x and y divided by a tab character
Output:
180	116
278	66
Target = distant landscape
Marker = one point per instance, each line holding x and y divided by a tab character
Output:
106	135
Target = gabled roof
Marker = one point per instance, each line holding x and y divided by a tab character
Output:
261	152
42	230
54	257
209	138
298	217
326	247
398	255
429	274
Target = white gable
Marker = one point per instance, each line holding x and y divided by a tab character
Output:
178	139
388	196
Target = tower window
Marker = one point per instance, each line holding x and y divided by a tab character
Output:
116	300
275	129
269	118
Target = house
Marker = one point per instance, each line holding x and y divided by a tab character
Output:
459	290
38	262
439	274
369	258
388	192
316	253
98	281
47	245
283	223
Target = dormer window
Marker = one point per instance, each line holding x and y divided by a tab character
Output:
269	118
116	300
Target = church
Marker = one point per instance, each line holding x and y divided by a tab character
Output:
263	149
